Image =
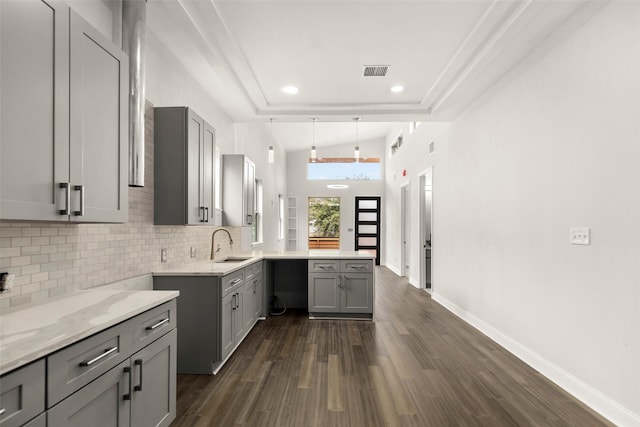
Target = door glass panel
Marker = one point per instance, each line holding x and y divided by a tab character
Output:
367	204
367	229
367	241
367	216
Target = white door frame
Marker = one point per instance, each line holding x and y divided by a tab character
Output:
404	228
423	230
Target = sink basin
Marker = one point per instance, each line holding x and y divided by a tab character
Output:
234	259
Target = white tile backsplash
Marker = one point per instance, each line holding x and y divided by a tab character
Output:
50	259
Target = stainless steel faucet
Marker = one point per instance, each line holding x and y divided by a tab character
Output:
214	250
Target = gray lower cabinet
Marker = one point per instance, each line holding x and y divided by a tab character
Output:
216	314
184	164
341	287
64	119
122	376
22	394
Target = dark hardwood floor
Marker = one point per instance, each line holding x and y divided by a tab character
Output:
415	365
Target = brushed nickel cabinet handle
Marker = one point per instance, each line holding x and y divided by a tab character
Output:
2	411
157	325
67	198
80	188
106	352
235	282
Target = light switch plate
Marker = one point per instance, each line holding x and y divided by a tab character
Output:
193	252
163	255
580	236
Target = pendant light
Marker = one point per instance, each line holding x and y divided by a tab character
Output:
356	151
271	153
313	147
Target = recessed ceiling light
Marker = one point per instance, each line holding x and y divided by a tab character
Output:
291	90
337	186
397	89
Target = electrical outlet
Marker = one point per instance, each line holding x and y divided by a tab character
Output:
6	281
580	236
163	255
193	252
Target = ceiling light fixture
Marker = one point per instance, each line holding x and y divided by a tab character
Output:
271	153
397	89
313	146
356	151
291	90
337	186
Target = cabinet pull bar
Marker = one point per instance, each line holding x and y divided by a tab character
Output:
127	396
235	282
80	188
2	411
202	212
157	325
233	302
107	352
138	362
67	198
206	209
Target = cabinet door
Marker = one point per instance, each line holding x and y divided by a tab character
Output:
249	309
208	173
195	136
324	295
240	315
357	293
153	399
227	313
34	129
258	294
249	191
22	394
99	126
101	402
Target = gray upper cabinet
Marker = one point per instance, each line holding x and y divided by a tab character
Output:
64	117
238	190
184	168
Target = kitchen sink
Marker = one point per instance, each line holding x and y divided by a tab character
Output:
234	259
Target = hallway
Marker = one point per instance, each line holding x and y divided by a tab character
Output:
416	365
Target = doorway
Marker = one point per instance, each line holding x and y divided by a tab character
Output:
404	229
426	228
324	222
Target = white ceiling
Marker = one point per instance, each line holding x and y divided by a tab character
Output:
445	53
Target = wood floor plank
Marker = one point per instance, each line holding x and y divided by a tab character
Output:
335	391
415	365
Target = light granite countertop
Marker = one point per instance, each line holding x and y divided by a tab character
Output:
213	268
30	332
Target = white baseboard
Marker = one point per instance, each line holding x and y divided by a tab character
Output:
393	268
591	397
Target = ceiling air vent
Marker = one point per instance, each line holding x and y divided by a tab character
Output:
375	70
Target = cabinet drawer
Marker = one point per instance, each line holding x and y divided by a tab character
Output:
231	281
22	394
253	270
356	265
154	323
79	364
324	265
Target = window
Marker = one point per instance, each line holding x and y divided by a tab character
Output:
256	228
280	217
324	222
340	168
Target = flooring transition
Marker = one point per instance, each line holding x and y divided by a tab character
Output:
416	365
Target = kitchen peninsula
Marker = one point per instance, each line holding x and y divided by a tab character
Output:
220	301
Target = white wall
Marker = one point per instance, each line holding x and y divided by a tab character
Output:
413	157
253	140
557	147
299	186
